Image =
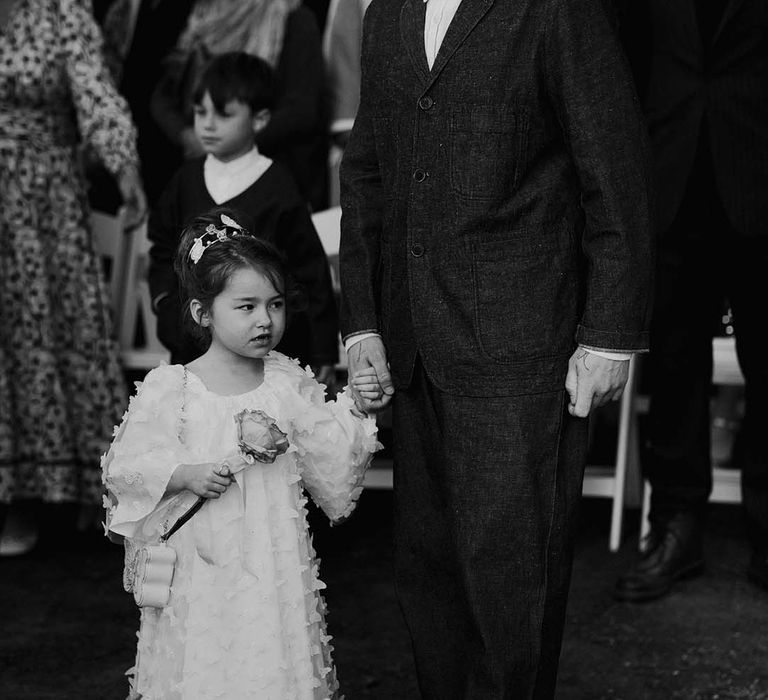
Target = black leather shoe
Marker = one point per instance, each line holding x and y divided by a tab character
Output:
672	551
758	569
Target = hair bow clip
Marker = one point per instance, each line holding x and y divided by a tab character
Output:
231	223
214	235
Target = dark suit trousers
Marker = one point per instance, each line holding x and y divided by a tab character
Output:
486	494
703	261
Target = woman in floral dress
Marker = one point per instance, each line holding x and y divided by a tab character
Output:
61	387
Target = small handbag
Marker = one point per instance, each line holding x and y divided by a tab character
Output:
150	574
149	568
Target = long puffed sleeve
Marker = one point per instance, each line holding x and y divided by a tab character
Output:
103	116
145	452
333	445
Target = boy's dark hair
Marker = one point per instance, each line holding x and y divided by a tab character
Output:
237	76
206	279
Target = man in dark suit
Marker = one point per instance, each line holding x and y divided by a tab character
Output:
496	252
702	67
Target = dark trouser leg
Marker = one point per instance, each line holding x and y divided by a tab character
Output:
570	471
483	538
689	294
749	299
677	458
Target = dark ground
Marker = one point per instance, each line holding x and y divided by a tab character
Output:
68	627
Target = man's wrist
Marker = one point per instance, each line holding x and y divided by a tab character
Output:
354	338
618	355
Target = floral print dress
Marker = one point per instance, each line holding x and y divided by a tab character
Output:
61	386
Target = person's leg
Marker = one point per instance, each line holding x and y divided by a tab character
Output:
484	514
676	456
749	300
18	529
570	472
689	296
427	578
676	452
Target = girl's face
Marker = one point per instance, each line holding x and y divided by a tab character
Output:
247	318
227	134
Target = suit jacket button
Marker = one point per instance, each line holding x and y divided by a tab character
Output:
419	175
417	250
426	103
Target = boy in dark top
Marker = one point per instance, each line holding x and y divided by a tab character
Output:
232	103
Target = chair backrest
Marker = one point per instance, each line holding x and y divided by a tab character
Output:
328	226
110	243
139	345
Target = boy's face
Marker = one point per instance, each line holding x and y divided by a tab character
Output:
228	134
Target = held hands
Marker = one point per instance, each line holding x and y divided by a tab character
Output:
205	480
369	375
593	381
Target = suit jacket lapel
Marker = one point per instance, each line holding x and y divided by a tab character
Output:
412	32
469	13
730	11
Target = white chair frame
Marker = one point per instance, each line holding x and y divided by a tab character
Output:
726	483
137	309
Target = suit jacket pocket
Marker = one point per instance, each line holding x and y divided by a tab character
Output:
488	147
526	297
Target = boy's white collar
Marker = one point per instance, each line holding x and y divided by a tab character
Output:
224	181
235	164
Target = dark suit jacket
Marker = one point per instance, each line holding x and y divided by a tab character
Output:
684	80
496	208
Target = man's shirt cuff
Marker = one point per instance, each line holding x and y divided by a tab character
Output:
609	354
355	338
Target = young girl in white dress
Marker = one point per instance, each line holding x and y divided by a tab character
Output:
245	618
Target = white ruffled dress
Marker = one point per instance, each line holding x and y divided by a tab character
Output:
245	617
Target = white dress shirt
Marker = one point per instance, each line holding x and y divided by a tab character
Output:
227	180
439	14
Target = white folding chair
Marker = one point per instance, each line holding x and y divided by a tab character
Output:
611	481
138	319
327	223
726	483
111	245
328	226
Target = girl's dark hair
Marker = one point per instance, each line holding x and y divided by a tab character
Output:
206	279
237	76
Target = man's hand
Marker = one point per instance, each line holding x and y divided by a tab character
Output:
364	356
593	381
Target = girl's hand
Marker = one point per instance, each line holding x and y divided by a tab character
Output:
366	384
205	480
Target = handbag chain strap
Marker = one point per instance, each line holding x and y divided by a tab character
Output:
200	501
